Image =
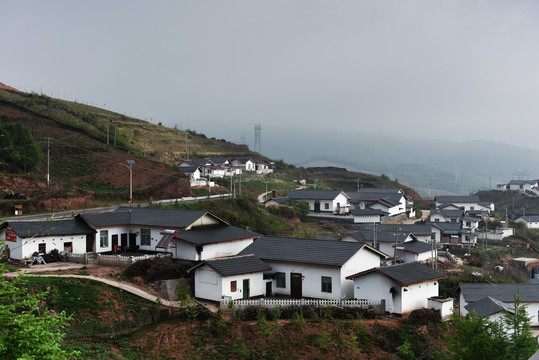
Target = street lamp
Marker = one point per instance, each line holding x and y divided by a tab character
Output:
130	167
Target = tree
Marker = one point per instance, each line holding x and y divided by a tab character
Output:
19	147
475	338
521	341
28	329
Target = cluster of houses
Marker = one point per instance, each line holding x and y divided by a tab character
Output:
233	262
368	205
530	187
201	171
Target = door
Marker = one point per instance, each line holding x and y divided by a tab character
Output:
296	286
317	207
114	242
124	241
90	239
132	241
268	289
246	288
68	247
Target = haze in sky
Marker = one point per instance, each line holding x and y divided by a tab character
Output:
458	70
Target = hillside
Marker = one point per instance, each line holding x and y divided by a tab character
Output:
85	153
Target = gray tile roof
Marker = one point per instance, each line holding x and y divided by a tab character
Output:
314	194
504	292
447	213
188	169
457	199
522	182
165	218
447	227
213	234
375	196
405	274
236	265
306	251
416	247
380	190
488	306
73	226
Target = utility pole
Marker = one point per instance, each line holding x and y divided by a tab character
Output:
395	249
209	186
115	120
48	161
357	184
239	190
108	126
375	228
186	151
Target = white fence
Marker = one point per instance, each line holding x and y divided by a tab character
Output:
270	303
111	260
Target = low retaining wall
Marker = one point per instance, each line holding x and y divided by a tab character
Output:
110	260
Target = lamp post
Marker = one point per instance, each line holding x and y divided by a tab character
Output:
130	167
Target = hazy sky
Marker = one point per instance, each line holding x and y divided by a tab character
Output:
447	69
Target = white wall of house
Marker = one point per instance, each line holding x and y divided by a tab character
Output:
25	247
361	261
521	188
437	217
530	225
417	295
312	279
366	219
205	220
212	286
229	248
340	204
117	230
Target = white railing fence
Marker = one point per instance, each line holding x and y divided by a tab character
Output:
270	303
111	260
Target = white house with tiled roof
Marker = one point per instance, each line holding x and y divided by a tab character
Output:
402	288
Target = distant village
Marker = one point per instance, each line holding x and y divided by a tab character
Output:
388	260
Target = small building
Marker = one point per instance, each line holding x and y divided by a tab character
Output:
381	240
531	221
323	201
414	250
402	287
234	277
363	216
244	163
23	238
464	202
445	215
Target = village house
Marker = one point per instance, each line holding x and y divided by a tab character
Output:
463	202
312	268
244	163
199	234
489	308
233	277
446	215
531	221
519	185
471	293
422	232
402	288
391	201
24	238
323	201
416	251
194	174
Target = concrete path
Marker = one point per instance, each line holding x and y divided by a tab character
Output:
262	197
117	284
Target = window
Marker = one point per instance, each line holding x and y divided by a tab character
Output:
104	238
233	286
280	278
326	206
326	284
42	248
145	237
